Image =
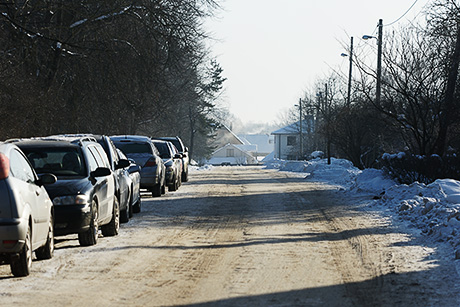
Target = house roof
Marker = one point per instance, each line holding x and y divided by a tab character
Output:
237	147
291	129
261	140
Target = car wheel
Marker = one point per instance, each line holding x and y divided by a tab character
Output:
90	236
137	205
130	209
185	176
173	186
124	215
112	228
21	264
47	250
156	190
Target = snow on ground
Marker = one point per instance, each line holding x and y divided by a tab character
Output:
434	209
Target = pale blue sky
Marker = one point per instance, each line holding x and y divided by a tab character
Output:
272	51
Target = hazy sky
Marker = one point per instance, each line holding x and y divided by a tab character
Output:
272	50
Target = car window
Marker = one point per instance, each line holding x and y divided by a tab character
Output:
97	156
20	168
134	147
92	164
60	161
163	149
114	151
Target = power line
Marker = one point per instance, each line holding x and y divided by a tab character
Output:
413	4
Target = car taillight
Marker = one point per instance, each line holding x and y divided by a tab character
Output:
4	166
151	162
9	243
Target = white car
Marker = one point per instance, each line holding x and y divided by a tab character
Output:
26	212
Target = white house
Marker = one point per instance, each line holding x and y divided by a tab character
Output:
264	143
287	142
231	154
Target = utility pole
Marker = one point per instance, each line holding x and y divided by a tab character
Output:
349	73
328	128
379	63
300	128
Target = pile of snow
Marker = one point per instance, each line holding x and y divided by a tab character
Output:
200	168
432	208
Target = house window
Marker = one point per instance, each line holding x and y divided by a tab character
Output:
291	140
230	152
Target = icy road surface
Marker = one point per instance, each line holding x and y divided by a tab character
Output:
244	236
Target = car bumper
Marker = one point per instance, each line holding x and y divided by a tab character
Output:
149	180
71	219
12	235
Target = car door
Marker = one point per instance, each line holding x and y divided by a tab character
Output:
101	185
33	196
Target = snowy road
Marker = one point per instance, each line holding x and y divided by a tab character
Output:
244	236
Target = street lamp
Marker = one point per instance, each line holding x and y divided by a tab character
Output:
350	70
379	59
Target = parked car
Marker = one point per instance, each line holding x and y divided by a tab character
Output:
84	195
173	163
121	176
146	155
182	150
26	212
134	172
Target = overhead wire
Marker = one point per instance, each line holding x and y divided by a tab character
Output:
402	16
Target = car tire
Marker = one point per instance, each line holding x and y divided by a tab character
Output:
156	190
112	228
90	236
124	215
137	205
173	186
185	176
47	250
130	209
21	264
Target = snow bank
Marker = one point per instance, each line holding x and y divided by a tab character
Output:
433	208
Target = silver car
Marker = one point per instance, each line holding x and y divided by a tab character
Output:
141	149
26	212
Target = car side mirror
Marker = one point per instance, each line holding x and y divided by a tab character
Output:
101	172
45	179
178	156
122	163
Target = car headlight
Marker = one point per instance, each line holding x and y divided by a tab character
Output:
71	200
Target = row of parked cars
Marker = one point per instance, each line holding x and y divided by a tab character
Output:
78	184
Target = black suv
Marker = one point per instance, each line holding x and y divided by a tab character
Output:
182	150
84	194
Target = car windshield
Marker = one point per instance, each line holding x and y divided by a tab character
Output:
61	161
133	147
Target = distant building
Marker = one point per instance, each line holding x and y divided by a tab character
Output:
264	143
287	142
231	154
231	149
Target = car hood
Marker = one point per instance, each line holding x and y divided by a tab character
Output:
68	187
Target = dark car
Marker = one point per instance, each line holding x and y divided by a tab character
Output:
146	155
84	195
26	212
134	172
173	163
183	150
